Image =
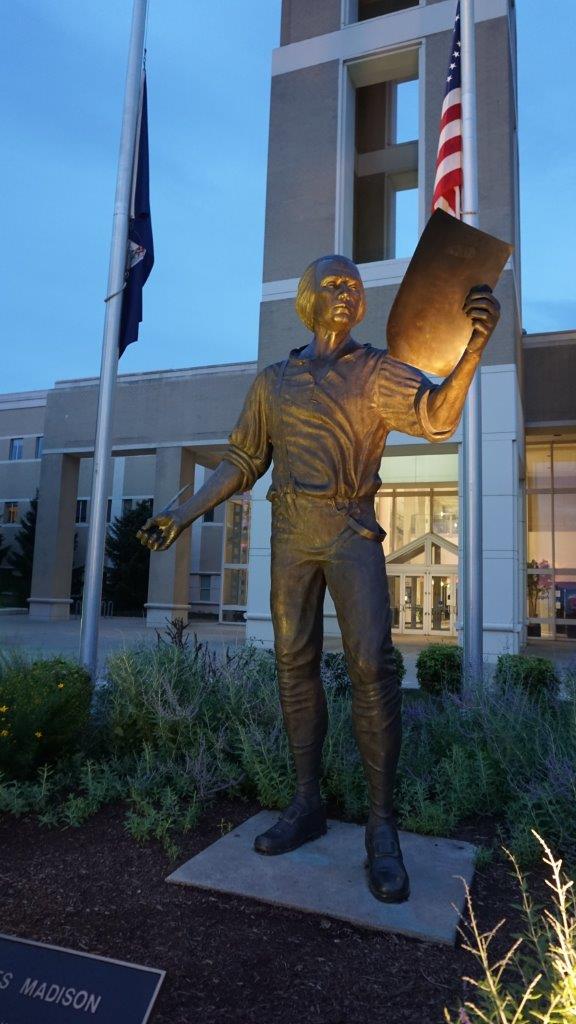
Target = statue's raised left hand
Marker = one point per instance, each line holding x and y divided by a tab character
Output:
484	311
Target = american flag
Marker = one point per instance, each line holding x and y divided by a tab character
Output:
448	181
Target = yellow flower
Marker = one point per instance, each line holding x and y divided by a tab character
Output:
60	686
38	735
4	708
4	732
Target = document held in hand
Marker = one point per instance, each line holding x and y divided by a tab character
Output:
427	327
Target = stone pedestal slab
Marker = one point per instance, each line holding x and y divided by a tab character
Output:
328	877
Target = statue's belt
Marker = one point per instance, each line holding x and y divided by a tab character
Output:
358	512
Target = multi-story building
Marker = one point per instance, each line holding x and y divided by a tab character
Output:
357	87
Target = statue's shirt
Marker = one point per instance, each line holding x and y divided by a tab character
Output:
324	425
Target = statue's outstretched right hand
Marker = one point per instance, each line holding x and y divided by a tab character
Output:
161	531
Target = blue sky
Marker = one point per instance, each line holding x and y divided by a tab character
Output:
62	77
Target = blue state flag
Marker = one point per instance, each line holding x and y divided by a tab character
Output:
140	252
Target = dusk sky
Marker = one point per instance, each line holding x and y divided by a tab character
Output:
62	75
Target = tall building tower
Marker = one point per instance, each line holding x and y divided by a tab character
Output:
357	88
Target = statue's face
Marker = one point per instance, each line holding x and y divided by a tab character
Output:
339	292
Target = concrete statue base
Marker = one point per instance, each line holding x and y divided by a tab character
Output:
327	877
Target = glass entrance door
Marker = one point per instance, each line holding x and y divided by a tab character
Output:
424	603
413	587
442	603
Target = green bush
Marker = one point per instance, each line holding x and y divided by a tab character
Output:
175	727
439	669
535	675
44	709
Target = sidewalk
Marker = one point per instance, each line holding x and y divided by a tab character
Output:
41	639
47	639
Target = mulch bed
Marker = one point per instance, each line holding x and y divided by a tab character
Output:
227	959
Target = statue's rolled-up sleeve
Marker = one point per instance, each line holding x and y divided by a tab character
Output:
402	396
249	447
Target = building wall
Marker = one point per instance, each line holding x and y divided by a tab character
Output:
550	373
310	213
21	415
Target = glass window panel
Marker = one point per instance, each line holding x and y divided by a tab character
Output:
237	530
538	465
564	465
540	595
407	111
445	516
442	587
406	222
394	588
235	589
205	587
16	448
374	8
230	615
384	512
39	446
10	512
565	601
412	518
539	528
414	602
565	531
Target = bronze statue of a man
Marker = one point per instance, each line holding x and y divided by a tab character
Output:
322	417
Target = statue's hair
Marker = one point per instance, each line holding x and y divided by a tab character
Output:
307	287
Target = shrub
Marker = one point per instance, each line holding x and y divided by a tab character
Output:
44	709
536	979
439	669
535	675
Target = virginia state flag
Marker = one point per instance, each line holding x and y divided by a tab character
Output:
140	252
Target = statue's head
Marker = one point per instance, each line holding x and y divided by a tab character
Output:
331	292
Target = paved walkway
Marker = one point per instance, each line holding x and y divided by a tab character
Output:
18	632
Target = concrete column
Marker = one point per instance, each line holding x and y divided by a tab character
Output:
502	495
54	546
258	618
169	584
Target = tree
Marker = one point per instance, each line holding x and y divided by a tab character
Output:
126	577
20	559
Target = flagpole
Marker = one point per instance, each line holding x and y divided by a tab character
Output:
473	618
103	442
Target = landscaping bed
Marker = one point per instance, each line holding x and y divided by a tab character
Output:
103	794
95	890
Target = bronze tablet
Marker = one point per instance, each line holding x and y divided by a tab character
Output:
426	326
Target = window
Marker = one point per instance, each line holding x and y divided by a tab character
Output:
81	510
386	170
551	540
374	8
208	516
409	513
127	504
147	504
109	510
10	513
16	447
236	547
39	446
205	587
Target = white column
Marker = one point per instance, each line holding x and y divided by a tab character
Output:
258	618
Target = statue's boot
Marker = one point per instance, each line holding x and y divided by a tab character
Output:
387	877
301	822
